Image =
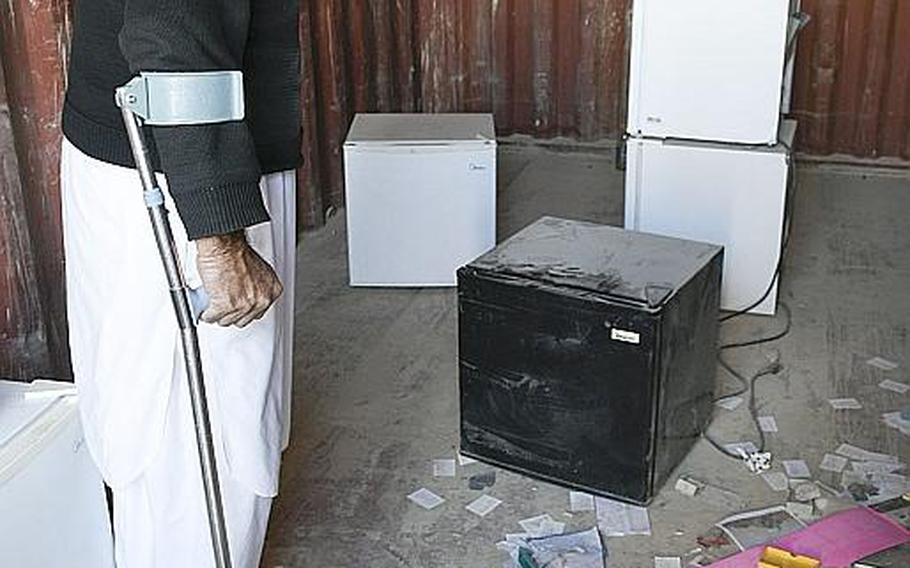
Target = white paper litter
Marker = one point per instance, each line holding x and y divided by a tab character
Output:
730	403
894	386
667	562
444	468
845	403
833	463
882	363
542	526
776	481
686	487
859	454
871	467
426	498
796	469
767	423
579	501
747	447
621	519
483	505
465	460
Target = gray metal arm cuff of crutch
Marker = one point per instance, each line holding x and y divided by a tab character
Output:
184	98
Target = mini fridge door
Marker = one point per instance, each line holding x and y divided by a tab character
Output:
546	390
718	194
707	69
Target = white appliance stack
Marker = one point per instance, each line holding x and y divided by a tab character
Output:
707	154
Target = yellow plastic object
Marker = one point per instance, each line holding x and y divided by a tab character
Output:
777	558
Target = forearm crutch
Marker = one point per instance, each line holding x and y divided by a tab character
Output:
179	99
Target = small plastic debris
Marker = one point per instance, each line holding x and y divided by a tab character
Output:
687	486
426	498
480	481
796	469
767	423
894	386
845	403
778	558
667	562
833	463
575	550
882	363
579	501
776	480
806	492
483	505
730	403
897	421
444	468
735	447
758	462
753	528
465	460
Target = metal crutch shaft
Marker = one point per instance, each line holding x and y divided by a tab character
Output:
154	200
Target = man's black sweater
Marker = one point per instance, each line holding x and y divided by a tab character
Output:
212	170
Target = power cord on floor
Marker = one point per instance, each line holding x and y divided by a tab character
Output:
748	385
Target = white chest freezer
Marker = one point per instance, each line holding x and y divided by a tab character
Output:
728	195
707	69
53	512
420	193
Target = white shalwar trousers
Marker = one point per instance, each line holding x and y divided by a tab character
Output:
128	366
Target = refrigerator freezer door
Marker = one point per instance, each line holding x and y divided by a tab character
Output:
726	196
416	213
707	69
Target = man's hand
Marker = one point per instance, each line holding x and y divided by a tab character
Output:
241	286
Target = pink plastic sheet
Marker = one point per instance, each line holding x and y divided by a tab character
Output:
838	540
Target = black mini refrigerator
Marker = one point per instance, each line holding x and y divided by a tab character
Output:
587	354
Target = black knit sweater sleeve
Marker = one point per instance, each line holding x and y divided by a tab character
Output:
212	170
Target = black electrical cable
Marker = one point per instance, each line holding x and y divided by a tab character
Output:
788	222
748	385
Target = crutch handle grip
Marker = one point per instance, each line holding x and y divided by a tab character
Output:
199	301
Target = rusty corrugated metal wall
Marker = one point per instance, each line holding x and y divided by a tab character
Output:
852	83
544	68
33	49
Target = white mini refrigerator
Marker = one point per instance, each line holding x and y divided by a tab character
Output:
53	512
420	193
708	69
723	194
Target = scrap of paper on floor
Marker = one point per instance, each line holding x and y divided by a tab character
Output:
621	519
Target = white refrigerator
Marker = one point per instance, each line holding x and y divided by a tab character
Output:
53	512
724	194
708	69
420	196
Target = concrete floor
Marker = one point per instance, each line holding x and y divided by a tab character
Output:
375	383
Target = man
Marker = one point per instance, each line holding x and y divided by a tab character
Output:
232	185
